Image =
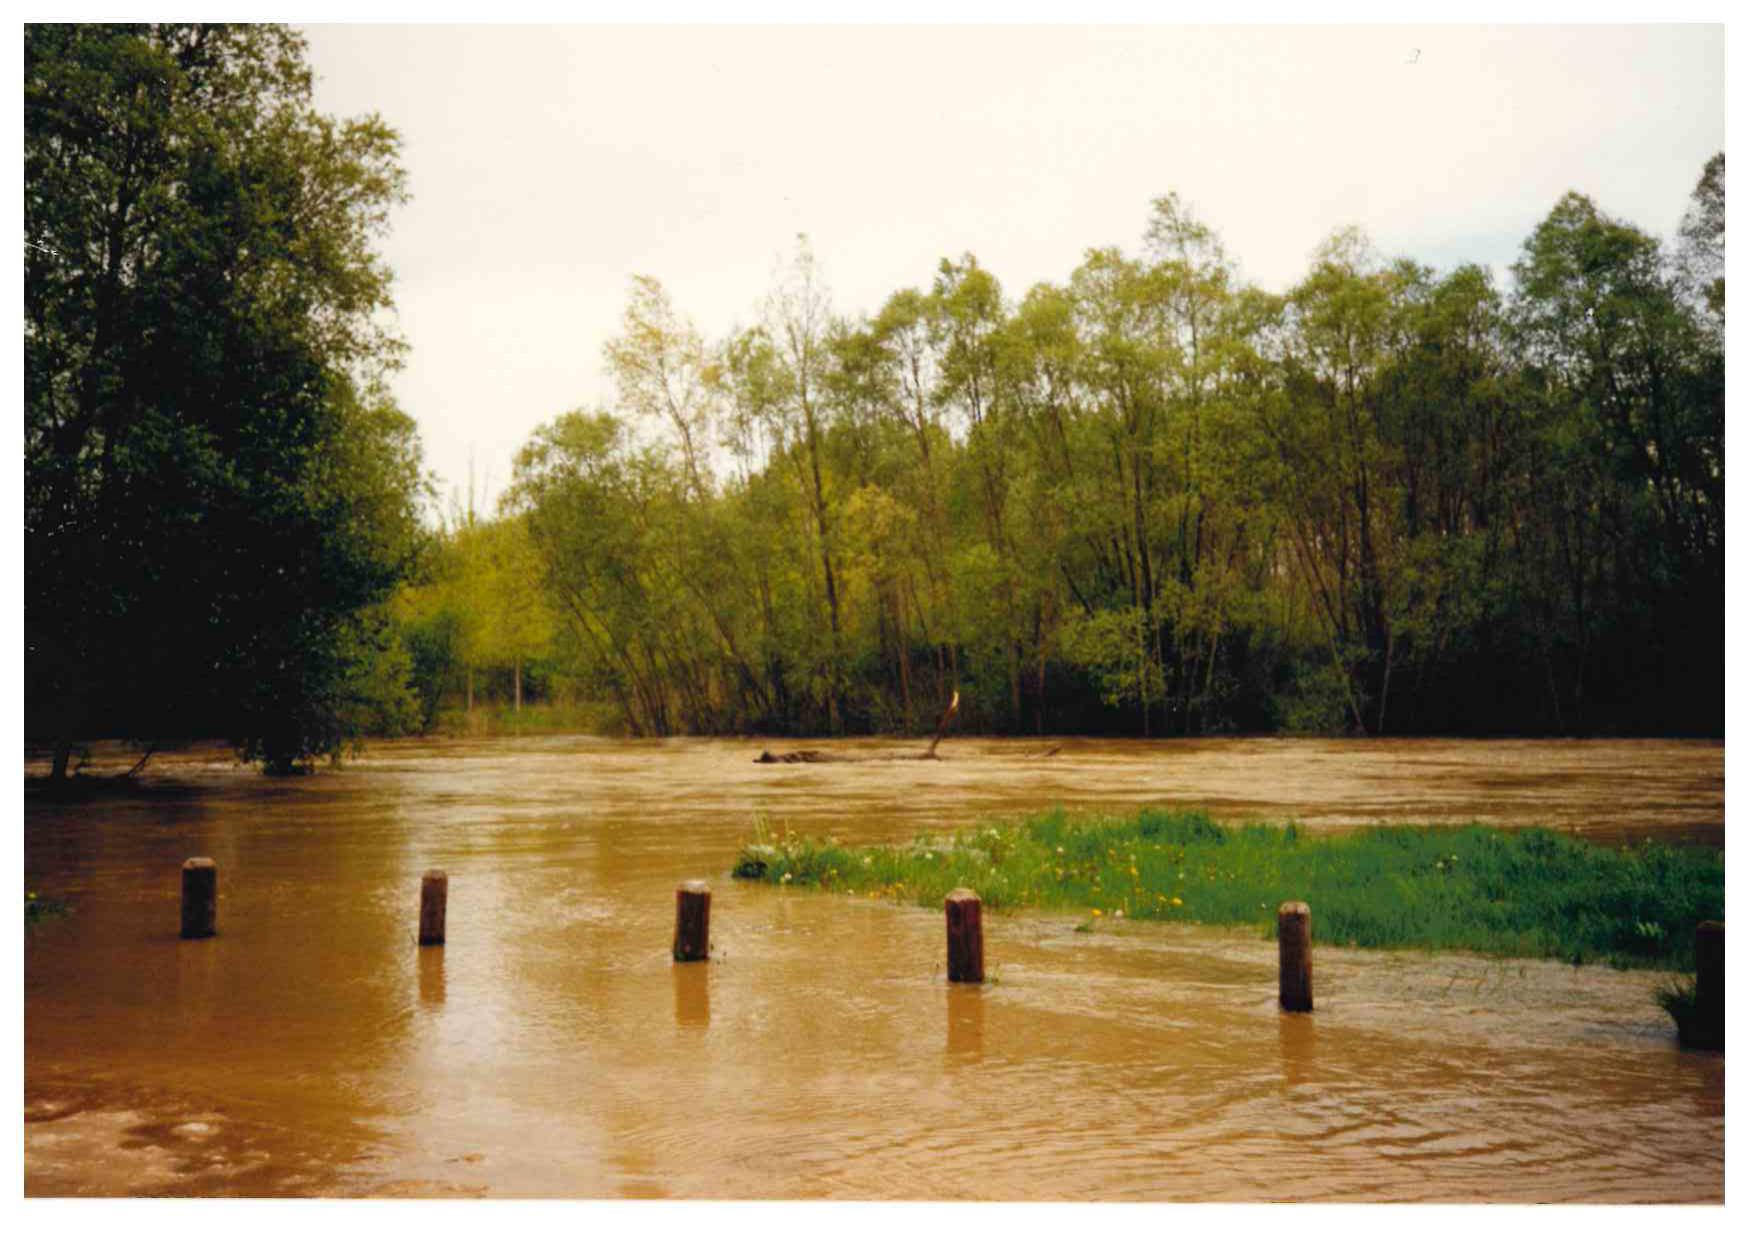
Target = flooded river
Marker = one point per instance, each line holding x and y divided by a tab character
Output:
551	1049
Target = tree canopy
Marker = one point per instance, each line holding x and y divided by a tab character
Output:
220	496
1154	498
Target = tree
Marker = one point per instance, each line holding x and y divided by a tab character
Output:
660	366
1702	240
786	392
1630	393
219	493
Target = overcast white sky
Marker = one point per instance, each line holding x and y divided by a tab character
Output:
548	165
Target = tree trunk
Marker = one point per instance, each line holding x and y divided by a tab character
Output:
903	661
835	692
518	684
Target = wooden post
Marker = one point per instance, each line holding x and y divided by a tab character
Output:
199	898
1293	928
433	908
1708	988
692	921
964	936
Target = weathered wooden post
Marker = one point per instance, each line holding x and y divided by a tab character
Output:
199	898
964	936
1293	929
692	921
433	908
1708	987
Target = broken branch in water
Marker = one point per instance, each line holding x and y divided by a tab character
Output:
141	764
941	727
821	755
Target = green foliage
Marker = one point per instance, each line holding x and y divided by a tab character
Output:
476	612
1702	242
1153	499
1515	893
219	494
1105	644
1317	702
1146	498
428	631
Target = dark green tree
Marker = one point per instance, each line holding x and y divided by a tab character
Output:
219	495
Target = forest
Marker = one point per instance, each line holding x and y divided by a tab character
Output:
1151	499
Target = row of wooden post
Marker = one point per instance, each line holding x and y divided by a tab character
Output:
200	909
964	933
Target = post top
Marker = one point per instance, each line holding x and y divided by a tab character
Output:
959	894
695	886
199	863
443	874
1298	907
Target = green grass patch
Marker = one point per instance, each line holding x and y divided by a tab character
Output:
1531	892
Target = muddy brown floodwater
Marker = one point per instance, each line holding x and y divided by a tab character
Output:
551	1049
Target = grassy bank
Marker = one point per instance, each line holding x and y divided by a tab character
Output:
1518	893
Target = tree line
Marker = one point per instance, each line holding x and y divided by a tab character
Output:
1151	498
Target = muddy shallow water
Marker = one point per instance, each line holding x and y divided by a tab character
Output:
552	1049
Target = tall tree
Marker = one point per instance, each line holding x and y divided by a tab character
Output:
797	325
218	491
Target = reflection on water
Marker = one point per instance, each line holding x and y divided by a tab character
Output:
692	995
1298	1048
965	1021
431	979
313	1048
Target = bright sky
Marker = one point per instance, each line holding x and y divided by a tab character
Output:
548	165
